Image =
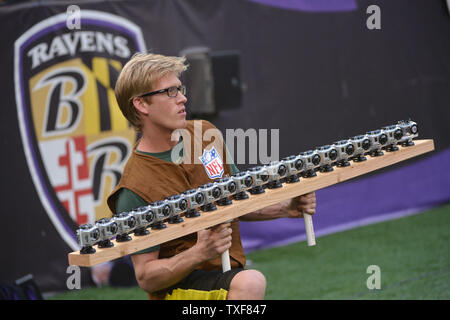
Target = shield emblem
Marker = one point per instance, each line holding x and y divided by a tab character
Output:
212	163
75	139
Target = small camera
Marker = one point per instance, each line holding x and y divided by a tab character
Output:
410	131
362	145
87	236
161	210
345	150
212	193
108	229
228	188
294	166
311	161
378	140
178	205
260	176
328	155
126	222
277	171
144	217
394	134
195	199
243	182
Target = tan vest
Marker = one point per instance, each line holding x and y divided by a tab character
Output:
155	179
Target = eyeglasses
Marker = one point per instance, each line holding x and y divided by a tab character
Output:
172	92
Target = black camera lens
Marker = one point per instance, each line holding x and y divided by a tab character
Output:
316	159
166	210
216	192
366	144
398	134
199	198
282	170
248	181
96	234
413	129
232	186
183	204
298	164
264	177
114	227
131	222
350	149
333	154
148	216
383	138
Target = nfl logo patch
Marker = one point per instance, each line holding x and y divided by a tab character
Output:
213	163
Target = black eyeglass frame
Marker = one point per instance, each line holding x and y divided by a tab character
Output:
181	89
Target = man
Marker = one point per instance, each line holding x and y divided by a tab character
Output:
151	96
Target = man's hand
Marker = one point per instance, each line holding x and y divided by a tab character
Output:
154	273
302	204
214	241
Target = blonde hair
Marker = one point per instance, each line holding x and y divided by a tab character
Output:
138	77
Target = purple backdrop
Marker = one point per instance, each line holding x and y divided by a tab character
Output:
397	193
311	5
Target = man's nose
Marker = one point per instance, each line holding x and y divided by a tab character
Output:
181	98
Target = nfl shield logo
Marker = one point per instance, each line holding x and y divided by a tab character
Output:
213	163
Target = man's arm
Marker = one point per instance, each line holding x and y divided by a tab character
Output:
292	208
154	274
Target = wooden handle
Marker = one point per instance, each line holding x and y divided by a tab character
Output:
226	261
226	265
309	228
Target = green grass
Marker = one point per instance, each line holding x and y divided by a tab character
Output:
413	254
104	293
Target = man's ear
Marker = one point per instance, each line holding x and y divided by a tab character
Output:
140	105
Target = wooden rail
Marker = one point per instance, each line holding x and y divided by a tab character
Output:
254	202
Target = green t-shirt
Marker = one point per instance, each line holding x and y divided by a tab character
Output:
127	200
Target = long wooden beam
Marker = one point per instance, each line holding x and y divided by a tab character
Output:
254	202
